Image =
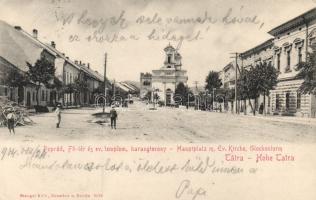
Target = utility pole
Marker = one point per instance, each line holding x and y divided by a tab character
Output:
196	87
104	104
114	88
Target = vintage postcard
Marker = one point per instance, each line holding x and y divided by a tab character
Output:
157	99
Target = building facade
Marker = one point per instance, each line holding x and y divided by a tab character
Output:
260	54
145	84
19	47
166	79
292	41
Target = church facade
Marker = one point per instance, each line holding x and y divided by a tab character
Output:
166	79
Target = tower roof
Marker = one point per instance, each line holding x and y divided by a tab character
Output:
169	47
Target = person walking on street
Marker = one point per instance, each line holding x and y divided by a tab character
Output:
113	116
11	120
58	114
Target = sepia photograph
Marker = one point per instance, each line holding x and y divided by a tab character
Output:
98	98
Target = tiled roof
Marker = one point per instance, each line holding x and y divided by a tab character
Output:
258	48
295	22
17	48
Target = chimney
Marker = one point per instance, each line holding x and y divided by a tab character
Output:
53	44
76	62
35	33
18	28
88	65
80	62
67	57
63	54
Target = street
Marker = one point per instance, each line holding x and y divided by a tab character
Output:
139	123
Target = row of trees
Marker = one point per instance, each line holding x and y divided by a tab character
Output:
42	73
251	83
262	78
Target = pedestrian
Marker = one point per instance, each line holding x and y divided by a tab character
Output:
58	114
11	120
261	108
113	116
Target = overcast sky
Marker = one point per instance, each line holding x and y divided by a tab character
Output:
209	50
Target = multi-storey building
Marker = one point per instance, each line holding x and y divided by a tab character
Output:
145	84
260	54
292	41
166	79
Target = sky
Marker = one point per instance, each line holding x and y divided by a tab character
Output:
206	45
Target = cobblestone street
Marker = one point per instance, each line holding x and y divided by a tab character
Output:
138	122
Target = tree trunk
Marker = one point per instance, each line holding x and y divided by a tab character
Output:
264	103
245	107
252	109
37	91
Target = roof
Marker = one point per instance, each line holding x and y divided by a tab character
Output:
17	48
228	66
258	48
122	86
295	22
169	47
78	66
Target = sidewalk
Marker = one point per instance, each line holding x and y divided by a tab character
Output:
276	118
289	119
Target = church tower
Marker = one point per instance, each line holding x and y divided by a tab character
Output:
173	58
166	79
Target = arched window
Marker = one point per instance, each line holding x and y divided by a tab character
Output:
169	58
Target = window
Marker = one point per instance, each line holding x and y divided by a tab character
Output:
169	58
287	100
46	95
5	91
146	83
33	96
298	101
277	102
67	78
299	54
288	65
278	61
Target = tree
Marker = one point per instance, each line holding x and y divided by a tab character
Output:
307	72
255	81
181	94
213	81
81	85
16	79
41	73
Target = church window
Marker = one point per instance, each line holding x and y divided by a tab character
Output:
169	58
